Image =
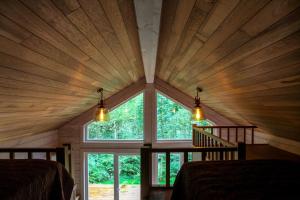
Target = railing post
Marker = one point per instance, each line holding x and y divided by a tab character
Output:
186	157
252	136
167	169
203	156
48	155
228	134
146	173
11	155
60	155
241	151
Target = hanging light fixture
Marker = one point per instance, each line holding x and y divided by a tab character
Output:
102	112
198	113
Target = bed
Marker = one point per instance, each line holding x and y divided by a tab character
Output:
36	179
240	179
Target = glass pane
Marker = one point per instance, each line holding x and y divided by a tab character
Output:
100	176
126	122
129	177
159	168
173	120
176	160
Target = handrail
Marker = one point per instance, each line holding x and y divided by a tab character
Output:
250	126
229	137
216	138
62	153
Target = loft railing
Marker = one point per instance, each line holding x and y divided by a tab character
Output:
210	153
219	136
62	154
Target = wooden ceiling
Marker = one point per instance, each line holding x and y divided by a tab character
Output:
244	54
54	55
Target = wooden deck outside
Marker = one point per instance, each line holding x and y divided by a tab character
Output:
106	192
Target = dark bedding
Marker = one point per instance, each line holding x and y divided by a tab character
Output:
252	179
34	180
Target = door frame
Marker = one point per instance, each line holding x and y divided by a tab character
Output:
116	153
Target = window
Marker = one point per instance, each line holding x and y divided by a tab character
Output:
126	123
174	122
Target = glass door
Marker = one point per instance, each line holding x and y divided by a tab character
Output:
129	177
112	176
100	176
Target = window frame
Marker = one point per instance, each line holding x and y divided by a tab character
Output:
113	141
169	141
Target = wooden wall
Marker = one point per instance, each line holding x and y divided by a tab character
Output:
245	54
46	139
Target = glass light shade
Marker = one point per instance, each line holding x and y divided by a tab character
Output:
198	114
102	114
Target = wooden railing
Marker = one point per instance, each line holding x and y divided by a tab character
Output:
62	154
210	153
219	136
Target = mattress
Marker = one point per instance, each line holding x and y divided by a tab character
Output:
34	180
249	179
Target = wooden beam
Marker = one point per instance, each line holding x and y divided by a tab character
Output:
148	20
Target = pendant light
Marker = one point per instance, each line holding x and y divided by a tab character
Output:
198	113
101	112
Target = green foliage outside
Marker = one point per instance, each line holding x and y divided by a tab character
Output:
173	120
101	169
126	123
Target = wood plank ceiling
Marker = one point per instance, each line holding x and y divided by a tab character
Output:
54	55
244	54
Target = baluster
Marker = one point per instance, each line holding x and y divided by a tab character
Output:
186	156
203	156
29	155
252	136
220	132
245	135
167	169
231	155
228	134
47	155
236	134
11	155
221	155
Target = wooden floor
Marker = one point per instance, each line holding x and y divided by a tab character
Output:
253	152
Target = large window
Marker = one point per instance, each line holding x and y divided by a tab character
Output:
126	122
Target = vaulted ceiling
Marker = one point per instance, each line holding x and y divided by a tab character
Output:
55	53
